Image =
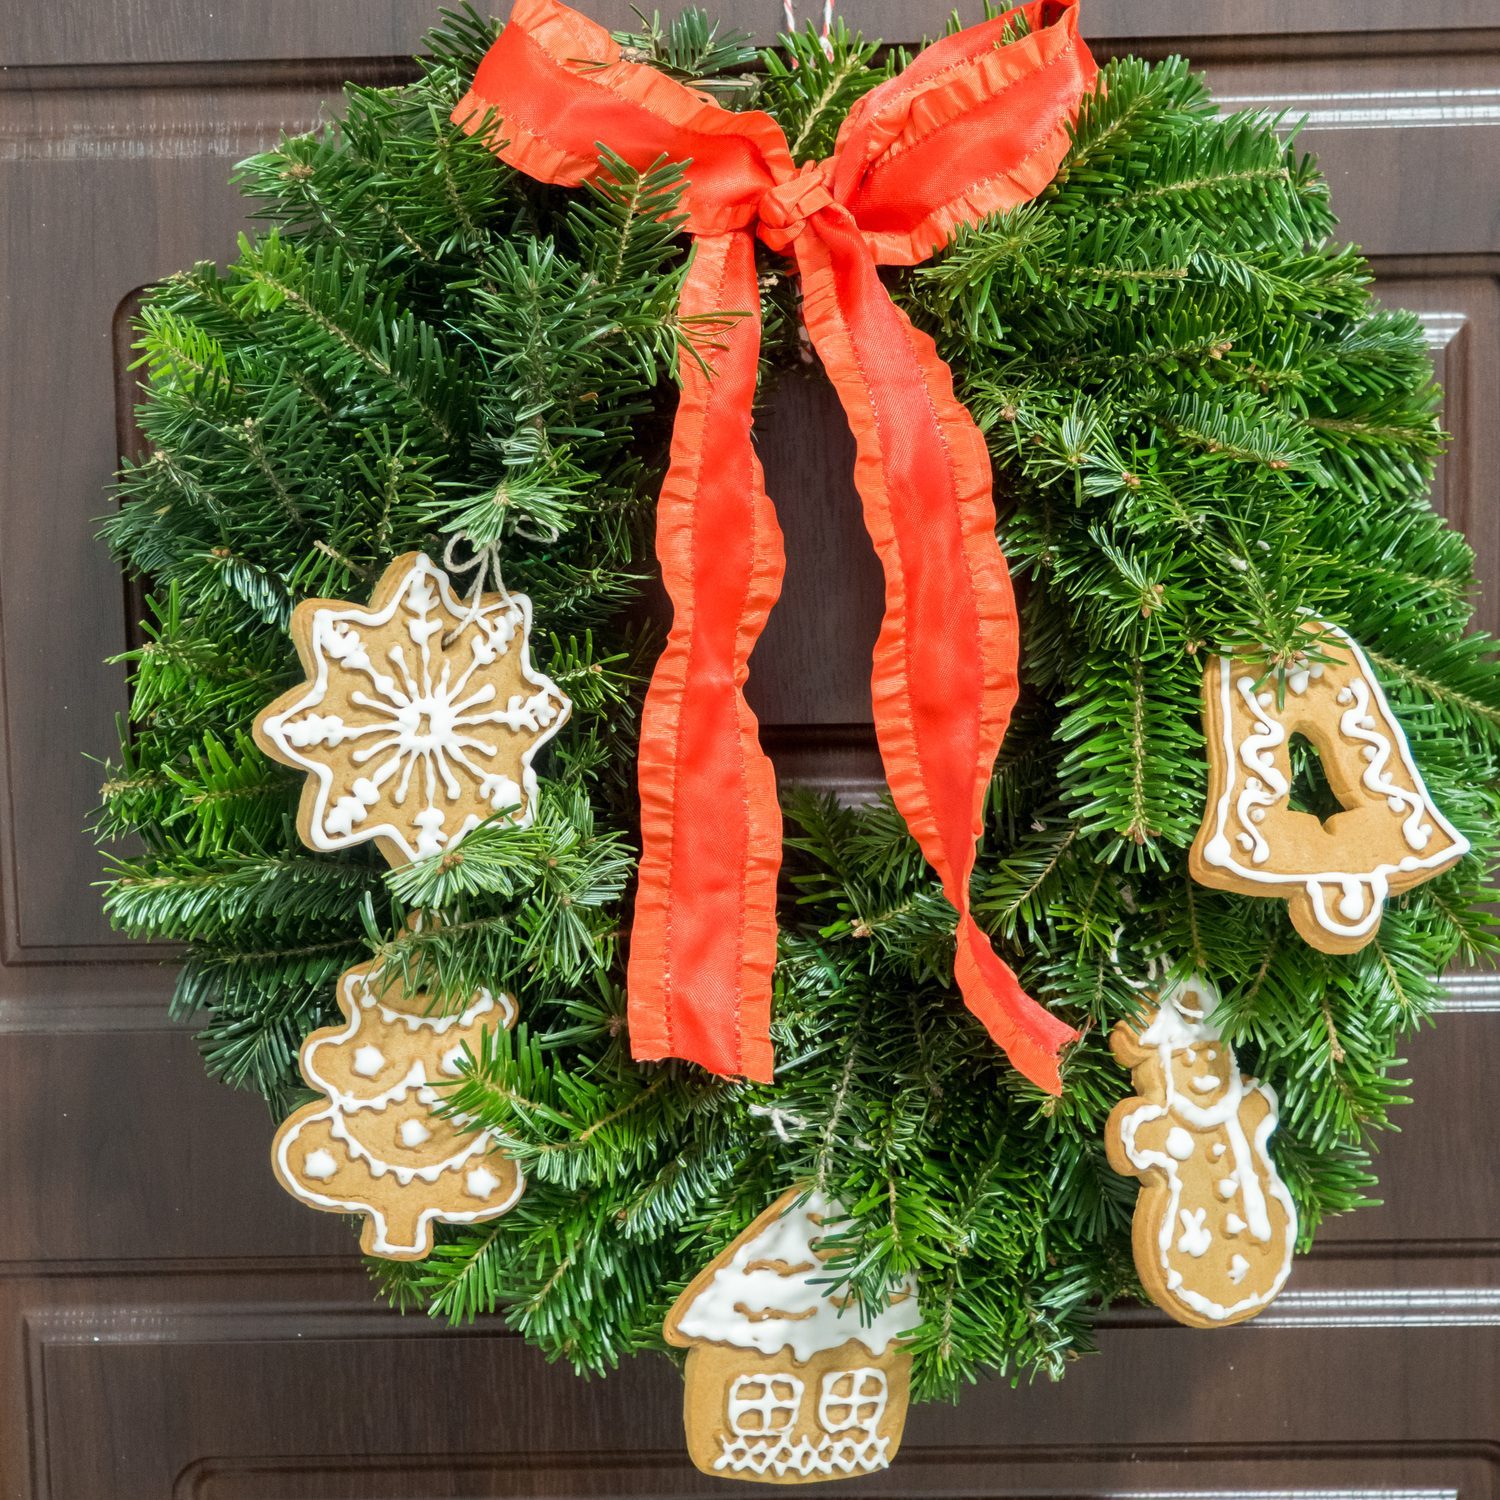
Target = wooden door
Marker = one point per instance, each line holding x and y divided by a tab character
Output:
171	1324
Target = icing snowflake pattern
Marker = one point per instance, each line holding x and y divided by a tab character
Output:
420	717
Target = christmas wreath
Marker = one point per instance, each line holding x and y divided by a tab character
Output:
420	423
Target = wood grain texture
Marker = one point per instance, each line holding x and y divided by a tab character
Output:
35	32
234	1382
171	1324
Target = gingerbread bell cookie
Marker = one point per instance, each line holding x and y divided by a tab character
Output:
1336	874
1214	1225
420	716
786	1382
378	1146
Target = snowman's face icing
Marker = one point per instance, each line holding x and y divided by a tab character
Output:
1202	1073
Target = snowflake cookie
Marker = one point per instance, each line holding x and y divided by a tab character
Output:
420	716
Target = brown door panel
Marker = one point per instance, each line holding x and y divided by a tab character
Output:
171	1324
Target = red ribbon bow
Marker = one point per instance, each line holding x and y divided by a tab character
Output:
975	124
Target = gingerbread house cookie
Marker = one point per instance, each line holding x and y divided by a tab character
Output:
786	1382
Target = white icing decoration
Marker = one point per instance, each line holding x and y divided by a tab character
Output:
1181	1023
1233	1224
368	1061
1218	1150
360	996
453	1061
1298	678
1364	892
421	718
414	1133
764	1405
1195	1238
1238	1266
320	1164
1265	786
1229	1186
1356	724
763	1412
500	791
1179	1143
480	1182
773	1294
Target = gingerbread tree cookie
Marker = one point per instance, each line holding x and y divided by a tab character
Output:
786	1383
378	1146
1337	874
1214	1226
420	716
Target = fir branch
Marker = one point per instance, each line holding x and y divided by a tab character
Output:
1202	430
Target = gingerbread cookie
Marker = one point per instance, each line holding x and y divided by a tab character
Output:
378	1146
1214	1226
420	716
1337	874
786	1384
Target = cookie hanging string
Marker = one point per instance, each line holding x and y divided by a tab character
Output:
486	560
789	15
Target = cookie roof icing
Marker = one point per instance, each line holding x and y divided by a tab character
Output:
770	1291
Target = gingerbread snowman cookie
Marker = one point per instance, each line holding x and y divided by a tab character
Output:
1215	1226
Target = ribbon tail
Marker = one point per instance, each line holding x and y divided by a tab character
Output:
703	945
944	680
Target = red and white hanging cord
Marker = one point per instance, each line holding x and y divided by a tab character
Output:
825	34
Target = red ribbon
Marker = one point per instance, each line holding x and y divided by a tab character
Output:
975	125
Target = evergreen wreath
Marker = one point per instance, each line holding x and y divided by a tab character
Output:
1203	429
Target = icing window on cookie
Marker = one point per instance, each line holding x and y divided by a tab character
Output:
764	1405
852	1399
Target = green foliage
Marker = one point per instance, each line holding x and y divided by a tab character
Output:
692	49
810	88
1203	429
